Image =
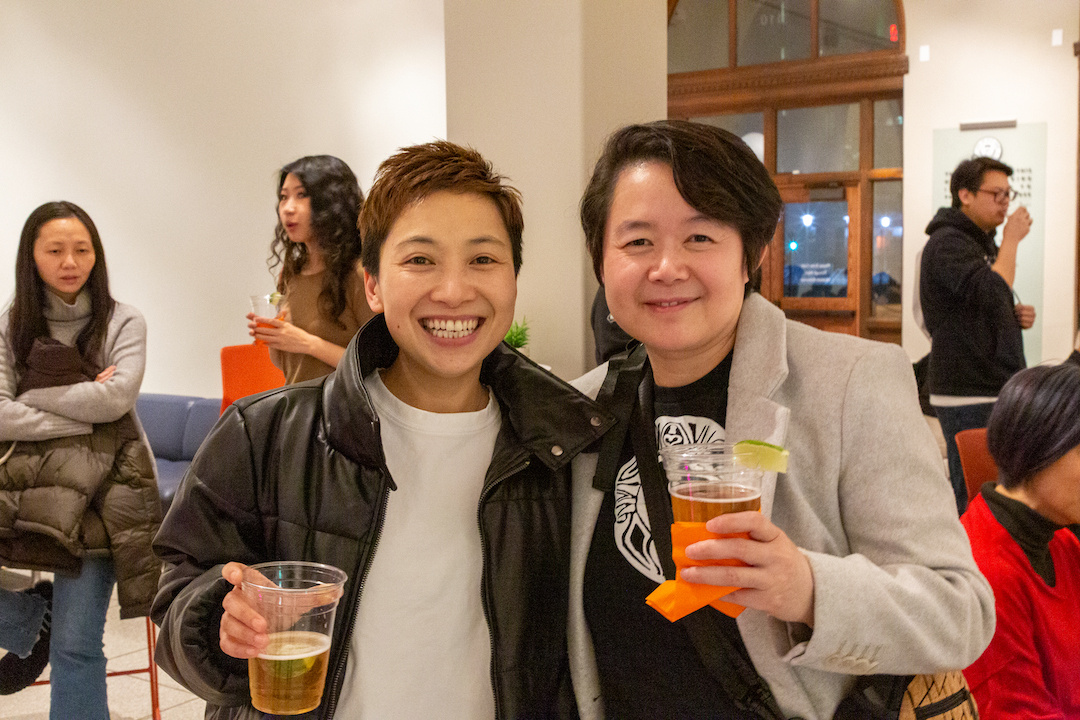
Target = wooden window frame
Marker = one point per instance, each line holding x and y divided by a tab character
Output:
816	81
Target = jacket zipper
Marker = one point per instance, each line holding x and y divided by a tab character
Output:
339	671
484	576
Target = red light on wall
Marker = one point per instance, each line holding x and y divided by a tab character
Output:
894	34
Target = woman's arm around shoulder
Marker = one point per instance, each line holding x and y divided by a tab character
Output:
100	402
908	593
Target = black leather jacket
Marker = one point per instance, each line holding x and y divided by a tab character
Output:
299	473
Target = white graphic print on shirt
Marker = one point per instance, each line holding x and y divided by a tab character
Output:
632	534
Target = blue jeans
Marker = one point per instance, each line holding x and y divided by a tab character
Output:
953	420
20	621
76	653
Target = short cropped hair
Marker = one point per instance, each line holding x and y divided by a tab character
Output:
415	172
715	172
1034	421
969	174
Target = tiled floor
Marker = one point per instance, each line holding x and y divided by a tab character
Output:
129	695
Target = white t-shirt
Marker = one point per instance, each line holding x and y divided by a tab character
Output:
421	646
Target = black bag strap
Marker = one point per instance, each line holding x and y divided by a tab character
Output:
617	395
725	662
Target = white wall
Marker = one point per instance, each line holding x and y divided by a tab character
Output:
166	121
536	87
993	60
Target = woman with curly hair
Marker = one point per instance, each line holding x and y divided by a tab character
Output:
317	245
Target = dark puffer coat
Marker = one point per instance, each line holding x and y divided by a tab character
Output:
299	473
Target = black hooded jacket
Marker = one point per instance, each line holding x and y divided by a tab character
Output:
976	342
299	473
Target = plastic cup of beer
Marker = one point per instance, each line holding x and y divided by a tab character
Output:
298	601
707	480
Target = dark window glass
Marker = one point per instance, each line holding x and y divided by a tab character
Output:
889	133
698	36
818	139
888	233
772	30
816	249
853	26
750	127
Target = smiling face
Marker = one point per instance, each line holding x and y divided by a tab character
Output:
447	288
64	256
673	277
294	210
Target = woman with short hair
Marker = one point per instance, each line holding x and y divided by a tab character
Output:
1022	540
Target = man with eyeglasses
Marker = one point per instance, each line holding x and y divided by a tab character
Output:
968	304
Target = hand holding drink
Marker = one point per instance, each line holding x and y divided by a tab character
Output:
281	618
743	556
705	481
264	308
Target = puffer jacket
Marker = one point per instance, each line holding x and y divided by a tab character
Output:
68	496
63	498
299	473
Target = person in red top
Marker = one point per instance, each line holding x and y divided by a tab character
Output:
1023	533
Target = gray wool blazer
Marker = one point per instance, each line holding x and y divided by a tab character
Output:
866	499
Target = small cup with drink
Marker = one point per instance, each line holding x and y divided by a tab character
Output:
298	600
267	306
704	480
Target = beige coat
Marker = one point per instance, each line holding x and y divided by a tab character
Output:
895	587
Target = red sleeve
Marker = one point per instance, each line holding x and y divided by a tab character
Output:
1008	680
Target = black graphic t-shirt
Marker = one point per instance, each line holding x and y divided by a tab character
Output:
648	666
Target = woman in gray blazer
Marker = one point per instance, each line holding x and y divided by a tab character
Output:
856	564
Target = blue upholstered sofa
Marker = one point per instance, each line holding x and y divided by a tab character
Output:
175	426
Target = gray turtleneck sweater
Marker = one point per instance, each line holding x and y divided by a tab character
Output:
66	410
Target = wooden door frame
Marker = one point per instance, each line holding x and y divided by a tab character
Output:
834	314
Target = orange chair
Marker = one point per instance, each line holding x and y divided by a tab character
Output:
975	458
246	370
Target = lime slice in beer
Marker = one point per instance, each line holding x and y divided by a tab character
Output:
292	668
762	455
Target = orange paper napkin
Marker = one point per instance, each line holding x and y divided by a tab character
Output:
678	598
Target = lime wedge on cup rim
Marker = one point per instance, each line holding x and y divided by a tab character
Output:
762	455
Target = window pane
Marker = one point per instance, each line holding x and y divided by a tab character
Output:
773	30
750	127
888	133
888	231
816	249
851	26
820	139
698	36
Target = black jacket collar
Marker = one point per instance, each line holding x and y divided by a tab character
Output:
552	420
956	219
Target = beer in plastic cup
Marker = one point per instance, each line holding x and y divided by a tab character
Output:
706	480
298	601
